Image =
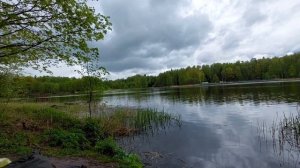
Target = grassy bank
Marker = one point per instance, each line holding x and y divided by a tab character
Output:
63	130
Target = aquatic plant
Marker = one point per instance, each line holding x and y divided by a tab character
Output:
289	131
129	121
150	119
285	136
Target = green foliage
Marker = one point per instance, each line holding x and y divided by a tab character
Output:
93	131
13	85
66	139
130	160
34	31
91	72
255	69
57	133
9	83
215	79
261	69
16	143
110	148
107	147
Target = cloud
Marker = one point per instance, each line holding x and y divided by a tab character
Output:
151	36
62	69
251	28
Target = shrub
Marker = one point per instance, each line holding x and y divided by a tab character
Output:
93	131
107	147
66	139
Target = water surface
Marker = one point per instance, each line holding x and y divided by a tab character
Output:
222	126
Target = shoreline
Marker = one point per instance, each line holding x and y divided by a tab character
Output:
250	82
247	82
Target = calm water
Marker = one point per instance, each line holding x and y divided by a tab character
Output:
222	126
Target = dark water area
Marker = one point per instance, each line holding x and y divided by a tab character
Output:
222	126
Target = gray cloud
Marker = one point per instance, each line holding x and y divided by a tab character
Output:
148	33
250	28
151	36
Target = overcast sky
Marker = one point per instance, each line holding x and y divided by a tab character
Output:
151	36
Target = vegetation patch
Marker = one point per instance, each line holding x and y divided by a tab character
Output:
66	139
109	147
59	130
126	122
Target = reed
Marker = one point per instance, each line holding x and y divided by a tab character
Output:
285	138
129	121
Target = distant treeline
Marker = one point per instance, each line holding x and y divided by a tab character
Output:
255	69
12	85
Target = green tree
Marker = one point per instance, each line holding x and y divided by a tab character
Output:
201	76
215	79
9	86
228	73
207	71
92	73
48	31
292	71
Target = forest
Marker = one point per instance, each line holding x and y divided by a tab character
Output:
255	69
13	85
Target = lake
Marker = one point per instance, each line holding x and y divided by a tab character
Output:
222	126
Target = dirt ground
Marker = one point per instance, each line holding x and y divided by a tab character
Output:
79	163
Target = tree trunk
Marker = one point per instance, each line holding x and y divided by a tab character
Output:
90	97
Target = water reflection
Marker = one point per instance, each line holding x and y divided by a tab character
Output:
201	146
219	125
271	93
200	142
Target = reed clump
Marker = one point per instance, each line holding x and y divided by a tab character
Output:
289	131
130	121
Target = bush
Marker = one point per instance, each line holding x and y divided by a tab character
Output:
93	131
66	139
107	147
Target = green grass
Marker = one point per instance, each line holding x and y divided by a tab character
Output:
62	130
55	132
126	122
15	143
